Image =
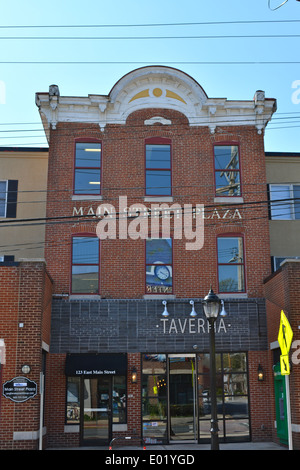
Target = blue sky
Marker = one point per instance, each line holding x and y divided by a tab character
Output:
19	116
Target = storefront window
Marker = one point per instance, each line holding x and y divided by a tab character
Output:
176	397
232	396
154	398
73	400
119	399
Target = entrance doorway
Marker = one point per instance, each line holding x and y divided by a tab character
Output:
281	405
182	397
96	411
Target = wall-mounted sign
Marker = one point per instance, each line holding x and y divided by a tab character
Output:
19	389
96	364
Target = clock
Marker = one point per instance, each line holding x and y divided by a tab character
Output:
162	272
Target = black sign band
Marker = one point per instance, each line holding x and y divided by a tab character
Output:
96	364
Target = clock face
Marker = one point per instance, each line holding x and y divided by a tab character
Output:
162	272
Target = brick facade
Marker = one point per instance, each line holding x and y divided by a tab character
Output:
193	183
123	317
282	293
26	294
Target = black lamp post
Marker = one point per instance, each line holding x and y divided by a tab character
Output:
211	308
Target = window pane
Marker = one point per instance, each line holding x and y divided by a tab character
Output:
158	183
85	250
155	385
154	408
204	429
88	154
235	362
230	250
159	275
231	279
154	398
85	279
159	250
154	431
204	363
282	209
297	202
227	183
73	400
154	364
205	406
237	428
87	181
226	157
158	156
3	190
235	384
119	399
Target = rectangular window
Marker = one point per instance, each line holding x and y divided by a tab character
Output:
3	198
85	265
227	170
87	178
159	272
232	396
73	400
154	398
8	198
158	169
119	394
231	264
276	261
285	201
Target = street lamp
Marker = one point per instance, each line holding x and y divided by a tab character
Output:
211	308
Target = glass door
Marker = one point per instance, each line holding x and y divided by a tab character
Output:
182	397
96	419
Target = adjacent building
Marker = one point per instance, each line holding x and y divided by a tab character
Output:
26	293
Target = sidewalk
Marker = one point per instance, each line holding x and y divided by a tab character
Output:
188	447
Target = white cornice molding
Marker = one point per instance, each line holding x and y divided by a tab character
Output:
160	88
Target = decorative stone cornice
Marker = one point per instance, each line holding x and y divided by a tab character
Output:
154	87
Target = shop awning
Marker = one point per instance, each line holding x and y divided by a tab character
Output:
96	364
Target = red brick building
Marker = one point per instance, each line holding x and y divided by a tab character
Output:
156	151
25	314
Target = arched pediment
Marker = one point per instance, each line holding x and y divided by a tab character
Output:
157	87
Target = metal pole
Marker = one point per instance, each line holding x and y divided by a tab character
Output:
213	391
288	407
41	410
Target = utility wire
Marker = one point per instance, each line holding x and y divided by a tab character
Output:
144	25
149	63
139	38
71	218
51	243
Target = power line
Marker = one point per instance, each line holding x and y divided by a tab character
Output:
54	62
144	25
85	217
134	38
51	243
218	120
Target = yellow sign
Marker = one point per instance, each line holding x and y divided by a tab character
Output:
284	365
285	334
